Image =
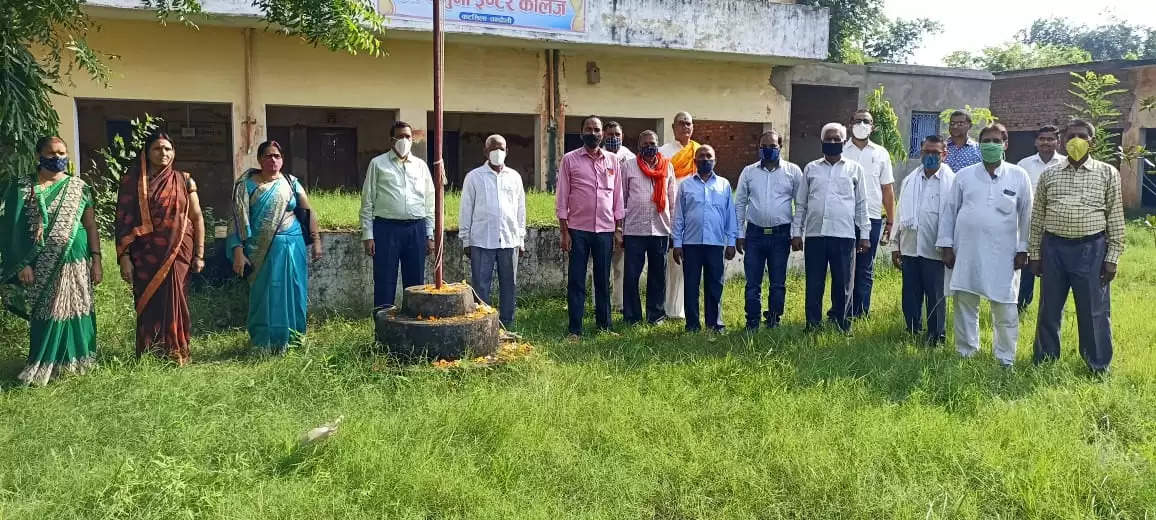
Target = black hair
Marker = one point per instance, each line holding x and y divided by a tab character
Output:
961	113
396	126
265	146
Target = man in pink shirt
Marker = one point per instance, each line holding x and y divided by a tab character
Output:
590	211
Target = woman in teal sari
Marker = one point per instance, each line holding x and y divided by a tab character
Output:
267	236
50	263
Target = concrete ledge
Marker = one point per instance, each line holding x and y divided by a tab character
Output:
343	280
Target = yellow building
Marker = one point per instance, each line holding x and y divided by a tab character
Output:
227	86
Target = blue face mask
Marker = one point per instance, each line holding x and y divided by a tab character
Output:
54	164
770	154
832	149
648	152
612	144
705	166
931	162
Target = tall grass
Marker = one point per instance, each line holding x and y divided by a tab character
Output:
653	424
337	210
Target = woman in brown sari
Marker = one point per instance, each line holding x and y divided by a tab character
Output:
160	237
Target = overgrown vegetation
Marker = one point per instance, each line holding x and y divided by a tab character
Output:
886	131
653	424
104	173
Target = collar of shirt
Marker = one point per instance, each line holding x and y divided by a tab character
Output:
398	159
763	167
1056	158
706	180
1088	166
596	154
969	143
490	168
851	146
937	175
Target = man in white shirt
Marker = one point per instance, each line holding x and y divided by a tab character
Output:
983	231
765	205
612	142
681	152
492	226
397	216
879	186
1045	157
829	204
649	192
925	190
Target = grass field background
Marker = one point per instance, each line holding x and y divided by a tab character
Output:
338	210
652	424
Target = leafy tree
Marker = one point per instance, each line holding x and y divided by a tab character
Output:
886	131
895	41
1111	41
42	42
103	175
1017	56
849	20
1095	93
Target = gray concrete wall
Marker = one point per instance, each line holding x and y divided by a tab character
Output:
343	280
748	27
910	88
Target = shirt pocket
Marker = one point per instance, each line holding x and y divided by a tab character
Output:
1005	204
932	202
842	187
1091	195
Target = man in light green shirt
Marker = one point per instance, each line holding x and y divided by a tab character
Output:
397	216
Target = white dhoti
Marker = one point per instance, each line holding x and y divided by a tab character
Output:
617	268
674	307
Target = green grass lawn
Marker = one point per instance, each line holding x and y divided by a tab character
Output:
654	424
339	210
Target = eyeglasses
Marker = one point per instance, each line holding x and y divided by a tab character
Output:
991	140
857	121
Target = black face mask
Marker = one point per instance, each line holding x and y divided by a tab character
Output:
705	166
648	152
591	140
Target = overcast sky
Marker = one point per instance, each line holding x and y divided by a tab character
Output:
974	24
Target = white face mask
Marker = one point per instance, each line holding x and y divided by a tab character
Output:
861	131
497	157
402	147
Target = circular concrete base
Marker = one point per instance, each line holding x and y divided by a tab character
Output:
454	299
468	336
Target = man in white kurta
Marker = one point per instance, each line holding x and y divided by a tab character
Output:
612	142
984	232
681	152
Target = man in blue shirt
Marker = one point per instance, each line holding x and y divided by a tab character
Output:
705	228
962	151
765	200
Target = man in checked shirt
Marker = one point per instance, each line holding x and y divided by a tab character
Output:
1077	236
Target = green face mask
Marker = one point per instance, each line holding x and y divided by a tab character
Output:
991	152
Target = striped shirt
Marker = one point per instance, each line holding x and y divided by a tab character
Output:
1077	202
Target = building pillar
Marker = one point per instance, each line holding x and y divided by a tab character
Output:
417	118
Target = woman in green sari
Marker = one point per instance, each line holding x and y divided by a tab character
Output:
50	263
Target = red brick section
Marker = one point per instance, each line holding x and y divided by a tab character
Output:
1029	102
735	145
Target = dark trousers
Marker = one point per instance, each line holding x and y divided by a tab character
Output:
705	262
865	271
585	245
767	249
923	287
1075	265
1027	288
482	262
819	253
397	242
651	251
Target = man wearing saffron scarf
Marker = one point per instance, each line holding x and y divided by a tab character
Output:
649	191
765	203
681	153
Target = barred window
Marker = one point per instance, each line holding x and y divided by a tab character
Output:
923	124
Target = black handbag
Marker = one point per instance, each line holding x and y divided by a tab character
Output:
304	216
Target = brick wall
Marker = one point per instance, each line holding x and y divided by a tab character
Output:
735	145
1029	102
